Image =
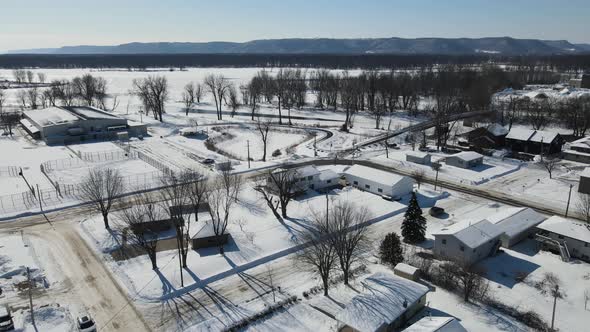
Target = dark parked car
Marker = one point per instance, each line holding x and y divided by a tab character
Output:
436	211
208	161
6	323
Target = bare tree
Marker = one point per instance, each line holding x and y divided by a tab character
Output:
197	188
233	100
101	188
348	233
42	77
319	254
188	96
255	88
153	92
2	100
90	90
30	76
263	127
281	183
137	224
32	95
586	298
469	278
9	120
221	197
419	176
218	86
20	75
583	206
198	92
552	285
549	164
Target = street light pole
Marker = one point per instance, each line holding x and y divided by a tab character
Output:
248	144
568	200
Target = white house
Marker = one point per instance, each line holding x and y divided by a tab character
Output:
569	238
309	177
465	159
386	303
418	157
378	182
468	241
516	224
436	324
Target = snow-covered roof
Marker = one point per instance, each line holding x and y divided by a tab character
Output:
51	116
88	112
514	221
585	173
373	174
418	154
497	130
543	136
30	127
472	234
436	324
520	134
328	174
583	142
385	298
567	227
467	155
307	171
205	231
405	268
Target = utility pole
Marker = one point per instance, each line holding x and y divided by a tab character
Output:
31	297
555	294
568	200
248	145
39	198
315	149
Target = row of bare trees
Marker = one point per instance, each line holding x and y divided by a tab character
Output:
86	90
28	76
572	111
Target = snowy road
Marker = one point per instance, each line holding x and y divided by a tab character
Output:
83	282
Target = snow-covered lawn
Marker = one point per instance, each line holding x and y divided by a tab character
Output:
256	238
49	318
129	168
233	141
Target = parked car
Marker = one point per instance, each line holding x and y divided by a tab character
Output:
390	198
208	161
6	322
436	211
86	324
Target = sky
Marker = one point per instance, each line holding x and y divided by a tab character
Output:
26	24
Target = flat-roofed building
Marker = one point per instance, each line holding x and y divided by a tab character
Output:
72	124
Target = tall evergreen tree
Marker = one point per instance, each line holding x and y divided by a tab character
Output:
414	225
390	250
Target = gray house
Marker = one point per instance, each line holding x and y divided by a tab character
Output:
418	157
467	242
73	124
378	182
466	159
205	237
386	303
516	224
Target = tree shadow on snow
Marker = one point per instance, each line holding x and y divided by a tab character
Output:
507	270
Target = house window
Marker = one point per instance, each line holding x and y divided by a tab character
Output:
586	244
560	236
444	241
380	190
309	178
367	186
329	181
356	183
462	248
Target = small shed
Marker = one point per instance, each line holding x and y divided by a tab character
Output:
418	157
465	159
206	238
407	271
584	186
